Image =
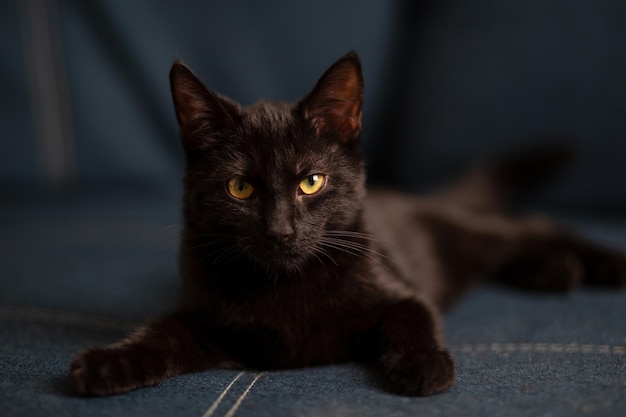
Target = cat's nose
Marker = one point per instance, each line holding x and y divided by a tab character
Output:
280	235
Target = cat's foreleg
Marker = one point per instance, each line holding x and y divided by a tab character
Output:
412	357
159	350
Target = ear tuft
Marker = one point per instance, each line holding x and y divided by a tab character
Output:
334	106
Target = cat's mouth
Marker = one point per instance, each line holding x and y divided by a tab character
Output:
279	257
285	254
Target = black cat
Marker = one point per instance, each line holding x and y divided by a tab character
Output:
286	262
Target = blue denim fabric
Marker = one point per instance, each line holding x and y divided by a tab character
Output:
560	357
84	280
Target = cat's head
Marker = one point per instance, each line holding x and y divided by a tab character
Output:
272	180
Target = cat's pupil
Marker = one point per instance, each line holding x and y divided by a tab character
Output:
313	179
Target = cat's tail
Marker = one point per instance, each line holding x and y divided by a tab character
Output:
496	184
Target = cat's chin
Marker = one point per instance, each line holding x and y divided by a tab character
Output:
279	262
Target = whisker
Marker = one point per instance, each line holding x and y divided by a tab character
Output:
355	245
321	251
225	250
342	242
299	270
350	233
231	256
229	263
351	251
221	254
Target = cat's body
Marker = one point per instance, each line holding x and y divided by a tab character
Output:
287	262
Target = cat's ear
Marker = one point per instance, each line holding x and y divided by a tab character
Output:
334	106
199	111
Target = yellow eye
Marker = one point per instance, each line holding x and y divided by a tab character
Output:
312	184
239	188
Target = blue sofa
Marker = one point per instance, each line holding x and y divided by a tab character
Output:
90	186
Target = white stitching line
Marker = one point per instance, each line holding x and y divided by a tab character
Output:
219	399
540	348
235	406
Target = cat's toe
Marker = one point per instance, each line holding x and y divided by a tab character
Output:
418	373
610	274
606	268
99	372
563	272
96	372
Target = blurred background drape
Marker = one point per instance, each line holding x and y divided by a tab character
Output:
85	104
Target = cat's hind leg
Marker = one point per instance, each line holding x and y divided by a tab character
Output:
562	262
528	252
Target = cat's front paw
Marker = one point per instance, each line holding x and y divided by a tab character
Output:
418	373
107	371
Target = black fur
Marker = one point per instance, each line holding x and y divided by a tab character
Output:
284	279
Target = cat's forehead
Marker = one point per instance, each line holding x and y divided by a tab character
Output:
268	116
275	128
271	137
